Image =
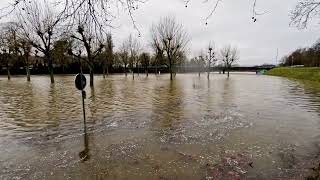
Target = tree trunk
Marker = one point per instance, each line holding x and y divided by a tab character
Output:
156	70
137	65
125	70
28	73
170	70
107	70
228	72
51	75
199	73
132	74
91	77
146	70
104	72
8	72
50	67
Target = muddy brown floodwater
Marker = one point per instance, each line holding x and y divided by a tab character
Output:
244	127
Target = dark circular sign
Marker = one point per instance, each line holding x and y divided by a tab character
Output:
80	81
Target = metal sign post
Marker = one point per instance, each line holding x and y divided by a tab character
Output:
81	82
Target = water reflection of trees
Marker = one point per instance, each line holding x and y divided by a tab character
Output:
101	99
304	94
227	92
312	90
98	99
167	109
92	104
26	108
84	154
55	106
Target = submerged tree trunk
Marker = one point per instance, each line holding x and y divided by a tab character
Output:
125	70
132	74
50	67
107	70
137	65
91	77
28	72
156	70
170	70
51	75
199	73
8	72
147	72
104	72
228	72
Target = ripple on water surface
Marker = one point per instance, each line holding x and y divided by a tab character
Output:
246	126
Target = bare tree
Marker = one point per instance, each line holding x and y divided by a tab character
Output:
108	55
145	60
124	56
134	48
304	11
60	52
211	59
14	47
102	12
199	62
171	39
158	51
39	23
97	12
24	51
229	56
9	42
91	45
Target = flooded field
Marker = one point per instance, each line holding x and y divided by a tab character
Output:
244	127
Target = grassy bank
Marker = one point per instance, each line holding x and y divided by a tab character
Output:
311	74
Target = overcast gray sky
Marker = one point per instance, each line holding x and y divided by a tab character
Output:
231	24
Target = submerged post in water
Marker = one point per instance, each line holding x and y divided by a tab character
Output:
81	83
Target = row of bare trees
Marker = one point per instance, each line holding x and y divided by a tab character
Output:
39	26
227	56
41	32
169	41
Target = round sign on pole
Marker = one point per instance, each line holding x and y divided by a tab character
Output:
80	81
